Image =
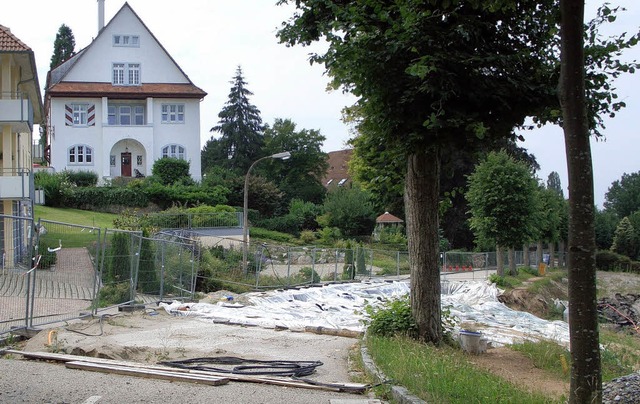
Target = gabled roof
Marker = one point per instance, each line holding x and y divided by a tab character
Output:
24	57
9	42
387	217
56	86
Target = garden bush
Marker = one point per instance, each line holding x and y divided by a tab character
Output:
171	170
56	186
83	178
607	260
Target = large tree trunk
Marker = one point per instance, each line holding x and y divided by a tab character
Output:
552	254
562	254
499	261
422	189
512	262
586	374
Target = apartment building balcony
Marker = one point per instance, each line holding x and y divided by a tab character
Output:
17	111
15	183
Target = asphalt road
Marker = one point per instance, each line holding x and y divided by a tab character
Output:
23	381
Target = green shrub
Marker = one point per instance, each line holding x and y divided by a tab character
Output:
184	195
105	197
607	260
308	274
47	258
120	265
83	178
307	237
265	234
57	188
392	318
171	170
114	294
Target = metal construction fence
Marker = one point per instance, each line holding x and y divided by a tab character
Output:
55	271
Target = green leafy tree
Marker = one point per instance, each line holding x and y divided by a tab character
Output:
422	96
301	176
624	239
350	210
623	196
605	223
241	130
554	184
552	205
63	46
264	195
503	201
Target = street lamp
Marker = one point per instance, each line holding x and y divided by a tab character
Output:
245	211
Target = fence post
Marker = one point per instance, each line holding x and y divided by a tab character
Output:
371	264
398	263
335	271
313	264
288	266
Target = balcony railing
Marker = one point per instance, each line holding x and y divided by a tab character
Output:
17	111
15	183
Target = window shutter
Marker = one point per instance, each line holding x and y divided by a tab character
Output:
91	115
68	115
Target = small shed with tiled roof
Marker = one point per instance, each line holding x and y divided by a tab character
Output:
386	220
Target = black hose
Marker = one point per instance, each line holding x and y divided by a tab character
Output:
247	366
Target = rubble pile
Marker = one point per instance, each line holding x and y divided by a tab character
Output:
621	310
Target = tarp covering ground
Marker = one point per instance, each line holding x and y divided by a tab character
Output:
341	306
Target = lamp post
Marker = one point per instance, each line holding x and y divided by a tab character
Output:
245	211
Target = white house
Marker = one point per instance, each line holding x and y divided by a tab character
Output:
121	103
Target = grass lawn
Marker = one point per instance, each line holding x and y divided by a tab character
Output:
75	216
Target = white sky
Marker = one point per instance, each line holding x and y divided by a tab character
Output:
210	38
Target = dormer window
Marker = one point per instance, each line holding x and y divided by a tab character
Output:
131	41
126	74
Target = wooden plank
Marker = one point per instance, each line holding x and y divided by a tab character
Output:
286	382
147	373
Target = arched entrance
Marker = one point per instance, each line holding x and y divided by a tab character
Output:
128	159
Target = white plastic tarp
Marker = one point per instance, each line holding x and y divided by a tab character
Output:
341	306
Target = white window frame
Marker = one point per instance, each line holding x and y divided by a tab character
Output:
80	114
128	41
174	151
136	114
126	74
80	154
173	113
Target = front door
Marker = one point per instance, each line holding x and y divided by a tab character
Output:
125	166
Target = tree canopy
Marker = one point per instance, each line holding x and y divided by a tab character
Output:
503	201
623	196
301	176
241	129
63	46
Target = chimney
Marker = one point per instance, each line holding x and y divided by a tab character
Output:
100	15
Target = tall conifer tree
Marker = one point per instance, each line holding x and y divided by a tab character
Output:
63	46
242	130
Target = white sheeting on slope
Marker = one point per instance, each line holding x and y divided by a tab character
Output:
340	306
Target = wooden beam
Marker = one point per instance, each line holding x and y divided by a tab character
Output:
147	373
286	382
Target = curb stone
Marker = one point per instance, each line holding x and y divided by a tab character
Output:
399	393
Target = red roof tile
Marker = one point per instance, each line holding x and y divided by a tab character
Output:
387	217
158	90
9	43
